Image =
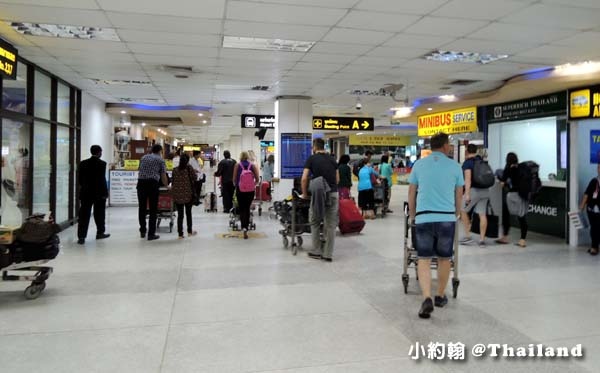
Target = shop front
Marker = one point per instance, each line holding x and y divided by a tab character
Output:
41	131
536	130
584	141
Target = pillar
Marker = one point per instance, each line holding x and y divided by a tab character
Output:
293	114
251	143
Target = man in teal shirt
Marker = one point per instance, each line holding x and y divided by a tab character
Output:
434	210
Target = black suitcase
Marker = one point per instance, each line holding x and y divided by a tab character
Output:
492	230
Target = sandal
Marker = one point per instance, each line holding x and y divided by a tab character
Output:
593	251
500	241
520	244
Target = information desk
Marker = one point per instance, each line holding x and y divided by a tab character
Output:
122	188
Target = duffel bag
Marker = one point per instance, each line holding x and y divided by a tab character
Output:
36	230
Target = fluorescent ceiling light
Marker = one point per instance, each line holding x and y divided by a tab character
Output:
205	121
123	112
402	112
200	114
463	57
144	124
142	100
280	45
120	82
448	98
65	31
429	108
587	67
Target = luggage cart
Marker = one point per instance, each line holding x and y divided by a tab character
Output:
15	272
293	216
411	258
379	192
234	219
165	208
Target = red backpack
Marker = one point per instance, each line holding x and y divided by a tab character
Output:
247	182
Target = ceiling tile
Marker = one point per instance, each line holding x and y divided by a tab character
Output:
139	36
340	48
418	41
486	46
402	53
318	67
164	23
256	55
411	7
288	14
79	4
327	58
445	26
364	20
172	50
55	46
153	59
185	8
420	64
561	54
556	16
64	16
341	4
346	35
583	39
479	9
512	32
274	30
360	70
377	61
469	75
594	4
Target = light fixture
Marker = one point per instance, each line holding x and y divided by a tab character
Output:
581	68
200	114
402	112
123	112
120	82
65	31
144	124
280	45
448	98
429	108
463	57
204	121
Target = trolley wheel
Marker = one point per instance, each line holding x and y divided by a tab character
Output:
455	283
41	285
286	242
252	227
405	283
32	292
171	227
260	211
300	241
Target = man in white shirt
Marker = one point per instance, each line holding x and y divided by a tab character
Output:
196	165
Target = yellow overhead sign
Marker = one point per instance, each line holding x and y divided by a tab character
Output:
584	103
450	122
343	123
379	140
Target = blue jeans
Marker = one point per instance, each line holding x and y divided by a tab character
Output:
435	240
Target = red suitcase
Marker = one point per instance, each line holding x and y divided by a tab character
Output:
263	192
351	220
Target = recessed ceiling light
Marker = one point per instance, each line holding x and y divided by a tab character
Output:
464	57
280	45
205	121
429	108
402	112
123	112
448	98
143	124
65	31
200	114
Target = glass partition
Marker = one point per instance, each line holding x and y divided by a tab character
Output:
14	192
14	92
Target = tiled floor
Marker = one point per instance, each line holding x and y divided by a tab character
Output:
228	305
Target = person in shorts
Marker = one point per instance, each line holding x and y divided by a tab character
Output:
434	203
475	199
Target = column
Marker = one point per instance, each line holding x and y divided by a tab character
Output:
249	142
293	114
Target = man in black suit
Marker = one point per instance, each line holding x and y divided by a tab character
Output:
93	192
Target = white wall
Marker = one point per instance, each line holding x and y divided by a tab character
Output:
533	139
96	127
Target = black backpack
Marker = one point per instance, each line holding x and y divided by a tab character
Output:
482	177
530	183
357	166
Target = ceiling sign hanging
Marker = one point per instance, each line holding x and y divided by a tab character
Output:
343	124
8	60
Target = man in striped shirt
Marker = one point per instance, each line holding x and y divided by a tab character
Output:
152	170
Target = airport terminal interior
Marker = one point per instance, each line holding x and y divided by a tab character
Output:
264	79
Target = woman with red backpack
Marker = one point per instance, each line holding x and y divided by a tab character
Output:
245	179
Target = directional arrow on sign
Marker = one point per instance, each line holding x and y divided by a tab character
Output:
365	124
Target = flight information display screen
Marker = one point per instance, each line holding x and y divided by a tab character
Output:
295	150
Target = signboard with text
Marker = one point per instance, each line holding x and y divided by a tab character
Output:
8	60
295	150
535	107
132	164
258	121
594	146
379	140
450	122
584	103
123	190
343	124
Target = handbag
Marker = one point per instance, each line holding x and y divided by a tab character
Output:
195	196
516	205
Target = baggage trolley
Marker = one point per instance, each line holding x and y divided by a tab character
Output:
380	199
15	272
411	257
293	216
165	208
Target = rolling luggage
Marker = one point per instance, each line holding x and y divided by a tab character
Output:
263	192
351	220
210	202
493	223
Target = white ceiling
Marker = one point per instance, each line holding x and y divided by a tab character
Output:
360	44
